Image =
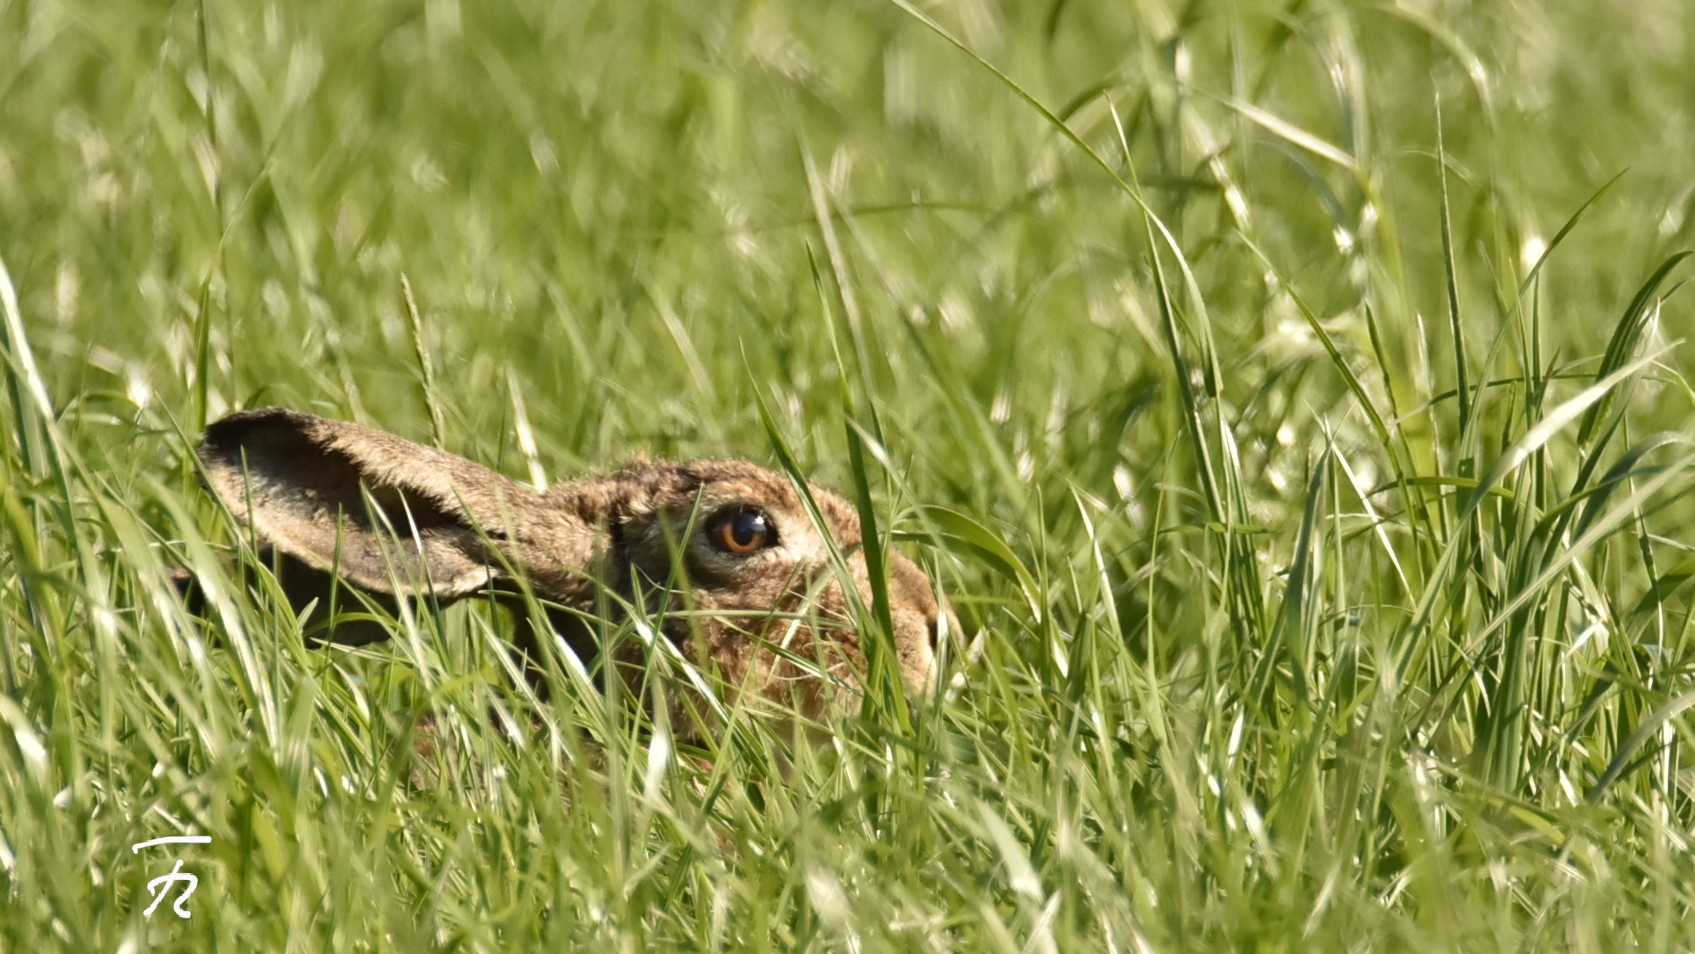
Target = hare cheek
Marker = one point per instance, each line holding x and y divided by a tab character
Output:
709	570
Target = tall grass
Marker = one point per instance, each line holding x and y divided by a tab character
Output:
1289	397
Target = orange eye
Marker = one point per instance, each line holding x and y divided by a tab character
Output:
741	531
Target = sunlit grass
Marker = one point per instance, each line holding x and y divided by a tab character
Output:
1290	398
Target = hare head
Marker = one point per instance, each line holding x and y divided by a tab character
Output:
732	545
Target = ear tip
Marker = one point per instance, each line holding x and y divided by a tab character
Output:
257	415
230	430
232	438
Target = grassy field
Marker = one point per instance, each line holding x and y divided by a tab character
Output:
1304	381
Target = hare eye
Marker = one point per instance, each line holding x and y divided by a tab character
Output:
741	531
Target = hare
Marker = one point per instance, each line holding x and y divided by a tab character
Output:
763	596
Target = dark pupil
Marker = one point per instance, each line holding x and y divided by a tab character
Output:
746	528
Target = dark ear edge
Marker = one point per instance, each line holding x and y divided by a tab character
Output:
357	501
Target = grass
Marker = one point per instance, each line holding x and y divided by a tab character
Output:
1289	395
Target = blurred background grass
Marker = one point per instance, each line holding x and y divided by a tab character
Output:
1217	694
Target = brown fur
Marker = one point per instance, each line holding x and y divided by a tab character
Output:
455	528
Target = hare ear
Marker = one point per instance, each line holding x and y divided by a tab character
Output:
356	500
